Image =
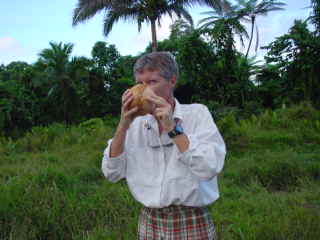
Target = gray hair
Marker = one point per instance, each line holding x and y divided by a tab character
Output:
164	62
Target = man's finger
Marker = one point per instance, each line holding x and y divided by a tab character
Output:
159	101
161	113
125	93
132	111
126	96
127	102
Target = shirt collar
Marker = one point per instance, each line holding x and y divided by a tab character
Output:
177	113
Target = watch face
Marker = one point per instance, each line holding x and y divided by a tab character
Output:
179	129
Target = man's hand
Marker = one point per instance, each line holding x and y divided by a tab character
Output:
163	111
127	115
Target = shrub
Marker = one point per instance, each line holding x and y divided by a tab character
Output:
277	172
235	136
304	110
251	108
40	138
91	124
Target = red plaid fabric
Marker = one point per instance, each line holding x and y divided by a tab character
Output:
176	223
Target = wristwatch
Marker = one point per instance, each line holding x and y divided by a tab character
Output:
176	131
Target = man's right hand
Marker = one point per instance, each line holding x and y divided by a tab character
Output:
127	115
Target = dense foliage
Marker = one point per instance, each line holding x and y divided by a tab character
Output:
62	88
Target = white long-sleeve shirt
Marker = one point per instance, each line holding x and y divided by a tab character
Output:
158	175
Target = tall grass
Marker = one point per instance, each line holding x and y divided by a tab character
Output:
51	185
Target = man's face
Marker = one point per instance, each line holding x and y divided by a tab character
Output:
158	84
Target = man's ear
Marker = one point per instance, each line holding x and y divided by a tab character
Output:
173	80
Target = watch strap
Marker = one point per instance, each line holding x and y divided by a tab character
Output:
177	130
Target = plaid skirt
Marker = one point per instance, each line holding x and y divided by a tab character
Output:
176	223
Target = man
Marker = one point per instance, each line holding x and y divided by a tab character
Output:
170	158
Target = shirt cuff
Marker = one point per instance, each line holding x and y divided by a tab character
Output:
186	156
116	162
113	162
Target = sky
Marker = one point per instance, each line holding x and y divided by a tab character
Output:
27	27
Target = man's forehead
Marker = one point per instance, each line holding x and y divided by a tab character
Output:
147	74
147	70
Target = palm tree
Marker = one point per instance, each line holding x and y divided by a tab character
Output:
245	71
250	9
222	25
57	56
56	60
149	11
224	22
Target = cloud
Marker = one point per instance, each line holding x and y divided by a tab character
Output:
9	44
12	50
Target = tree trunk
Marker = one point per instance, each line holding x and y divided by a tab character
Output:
154	35
64	86
64	96
251	37
229	49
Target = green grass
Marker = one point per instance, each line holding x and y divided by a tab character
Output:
51	185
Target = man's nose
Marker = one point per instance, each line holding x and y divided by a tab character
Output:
148	83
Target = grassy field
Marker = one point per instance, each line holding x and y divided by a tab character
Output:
51	185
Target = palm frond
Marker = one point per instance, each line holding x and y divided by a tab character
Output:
188	17
85	9
110	19
210	13
211	19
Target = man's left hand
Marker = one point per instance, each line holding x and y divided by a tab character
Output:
163	111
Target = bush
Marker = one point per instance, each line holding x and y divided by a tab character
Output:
40	138
303	111
251	108
91	124
277	172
